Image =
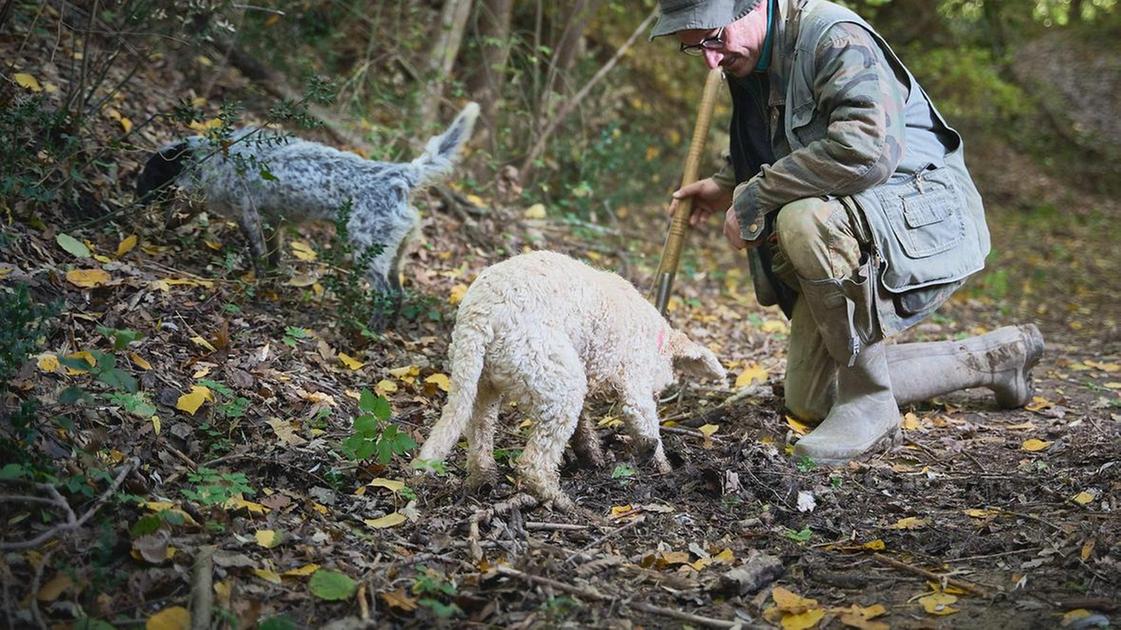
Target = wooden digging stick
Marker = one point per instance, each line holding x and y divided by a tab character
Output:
675	239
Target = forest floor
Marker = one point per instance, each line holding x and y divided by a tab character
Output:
981	518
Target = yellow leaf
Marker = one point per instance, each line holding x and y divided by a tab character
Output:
455	296
389	520
938	604
1088	548
1033	445
55	587
126	245
476	200
27	82
174	618
439	380
239	502
610	422
751	373
319	507
775	326
385	386
302	250
1023	426
536	211
798	427
621	511
139	361
267	538
268	575
205	126
1113	385
911	421
860	617
1082	498
400	600
389	484
1072	616
303	571
83	355
1039	403
204	343
102	259
87	278
874	545
200	373
790	602
191	401
286	431
725	557
708	429
910	522
1104	367
407	374
981	513
803	620
48	363
156	424
126	124
350	362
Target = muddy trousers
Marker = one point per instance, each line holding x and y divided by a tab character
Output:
820	240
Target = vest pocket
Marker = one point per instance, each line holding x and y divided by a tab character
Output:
925	212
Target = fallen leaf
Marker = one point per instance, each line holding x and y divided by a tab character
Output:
1023	426
389	520
127	244
72	245
331	585
303	571
1082	498
174	618
87	278
708	429
268	575
239	502
350	362
302	250
536	211
267	538
911	421
981	512
752	372
1034	445
55	587
389	484
48	363
1104	367
790	602
1039	403
861	617
139	361
939	604
385	386
910	522
192	400
455	296
874	545
286	431
1088	548
406	374
623	511
27	82
400	600
1072	616
775	326
798	427
802	620
198	340
439	380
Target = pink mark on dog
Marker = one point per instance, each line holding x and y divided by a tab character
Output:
661	340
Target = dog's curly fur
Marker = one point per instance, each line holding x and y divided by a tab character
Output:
288	179
543	330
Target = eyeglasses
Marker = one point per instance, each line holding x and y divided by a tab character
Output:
715	42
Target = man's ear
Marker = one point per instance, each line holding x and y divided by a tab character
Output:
693	358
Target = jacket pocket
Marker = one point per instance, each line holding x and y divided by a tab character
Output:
925	212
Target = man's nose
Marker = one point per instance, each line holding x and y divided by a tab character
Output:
713	58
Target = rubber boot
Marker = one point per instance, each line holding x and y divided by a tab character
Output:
864	413
1000	360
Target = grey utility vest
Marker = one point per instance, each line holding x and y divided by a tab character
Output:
927	220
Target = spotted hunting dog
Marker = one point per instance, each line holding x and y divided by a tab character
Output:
260	172
543	330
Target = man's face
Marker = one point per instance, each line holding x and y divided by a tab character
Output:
743	42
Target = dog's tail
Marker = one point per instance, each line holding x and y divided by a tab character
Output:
441	151
467	351
162	169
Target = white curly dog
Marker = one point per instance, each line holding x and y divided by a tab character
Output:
543	330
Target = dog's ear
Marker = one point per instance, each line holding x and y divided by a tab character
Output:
693	358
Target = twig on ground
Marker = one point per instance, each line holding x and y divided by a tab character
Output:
519	501
588	593
598	541
33	596
202	588
903	566
555	527
72	522
691	433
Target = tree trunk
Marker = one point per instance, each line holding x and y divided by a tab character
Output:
568	45
1075	16
445	48
485	86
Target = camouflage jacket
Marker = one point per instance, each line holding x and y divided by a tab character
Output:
847	119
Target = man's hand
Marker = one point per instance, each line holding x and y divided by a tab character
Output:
708	198
732	232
